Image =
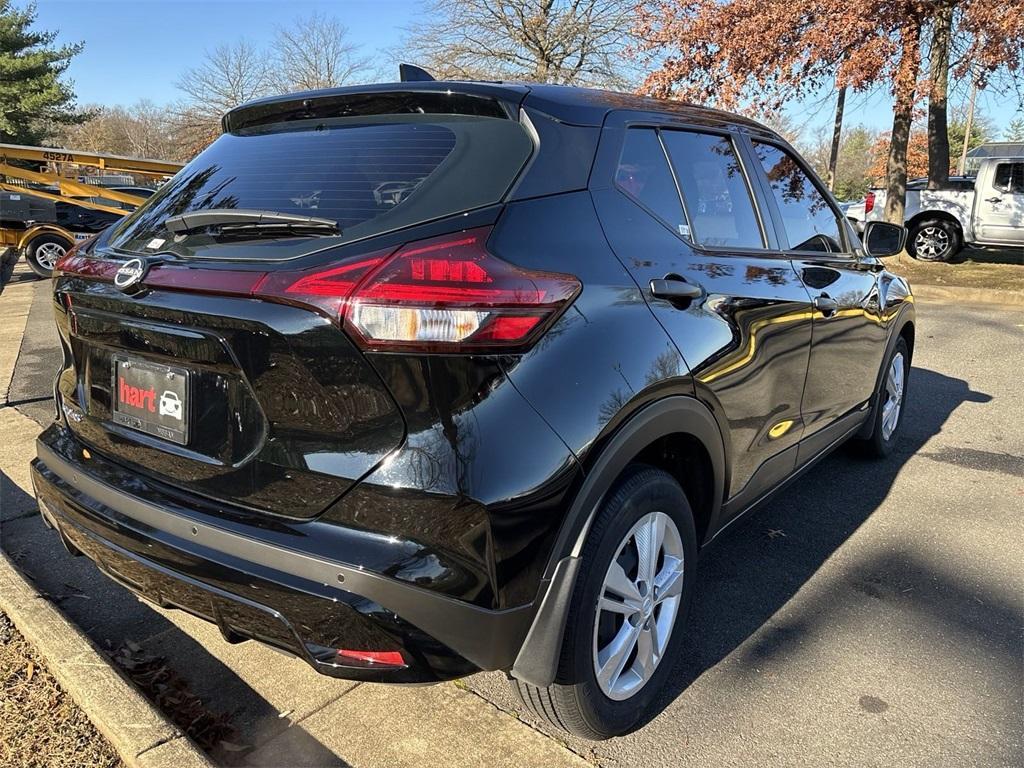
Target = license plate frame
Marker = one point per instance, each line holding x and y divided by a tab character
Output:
145	397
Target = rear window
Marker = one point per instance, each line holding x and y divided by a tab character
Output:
370	175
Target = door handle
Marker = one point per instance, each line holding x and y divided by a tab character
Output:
675	289
993	199
826	305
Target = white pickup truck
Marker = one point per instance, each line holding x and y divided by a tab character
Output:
987	211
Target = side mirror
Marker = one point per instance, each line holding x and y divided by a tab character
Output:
883	239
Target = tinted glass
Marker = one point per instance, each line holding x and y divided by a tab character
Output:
810	223
370	177
1010	177
643	174
715	190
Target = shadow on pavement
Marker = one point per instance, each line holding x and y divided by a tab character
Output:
753	572
990	256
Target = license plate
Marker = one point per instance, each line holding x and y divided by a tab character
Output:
152	398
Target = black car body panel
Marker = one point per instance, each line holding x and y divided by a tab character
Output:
332	494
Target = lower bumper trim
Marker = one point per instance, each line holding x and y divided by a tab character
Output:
488	639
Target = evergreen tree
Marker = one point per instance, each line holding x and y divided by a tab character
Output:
1015	130
34	99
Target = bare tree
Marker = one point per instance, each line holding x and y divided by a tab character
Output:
572	42
142	130
315	52
228	76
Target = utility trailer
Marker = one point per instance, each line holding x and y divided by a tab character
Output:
44	212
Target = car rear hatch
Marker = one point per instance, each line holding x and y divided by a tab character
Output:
214	357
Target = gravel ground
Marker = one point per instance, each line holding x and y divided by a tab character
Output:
40	724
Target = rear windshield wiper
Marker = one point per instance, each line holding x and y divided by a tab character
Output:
228	220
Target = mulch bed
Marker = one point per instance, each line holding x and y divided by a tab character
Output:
40	725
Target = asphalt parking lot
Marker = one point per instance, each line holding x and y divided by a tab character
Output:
871	614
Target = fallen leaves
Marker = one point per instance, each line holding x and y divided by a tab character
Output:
211	731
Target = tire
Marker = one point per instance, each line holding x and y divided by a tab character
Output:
44	251
577	702
885	434
934	240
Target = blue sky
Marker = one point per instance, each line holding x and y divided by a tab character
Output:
138	49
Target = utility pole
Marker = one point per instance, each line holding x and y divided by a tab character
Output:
837	132
969	127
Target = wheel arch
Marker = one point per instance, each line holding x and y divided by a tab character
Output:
44	229
656	432
903	327
932	214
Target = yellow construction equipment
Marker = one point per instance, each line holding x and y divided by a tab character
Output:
29	226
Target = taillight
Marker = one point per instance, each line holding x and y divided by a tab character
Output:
869	202
444	294
74	262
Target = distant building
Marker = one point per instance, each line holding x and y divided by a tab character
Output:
991	149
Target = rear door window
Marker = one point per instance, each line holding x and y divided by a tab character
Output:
644	175
1009	178
370	175
809	220
715	189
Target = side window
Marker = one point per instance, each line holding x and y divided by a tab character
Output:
810	222
644	175
714	188
1010	178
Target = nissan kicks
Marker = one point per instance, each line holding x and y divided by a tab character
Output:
422	379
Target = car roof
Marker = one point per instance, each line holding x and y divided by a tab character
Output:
568	104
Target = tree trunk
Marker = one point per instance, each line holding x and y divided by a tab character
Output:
837	133
904	91
938	128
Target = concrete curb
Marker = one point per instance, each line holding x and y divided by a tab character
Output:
141	734
963	295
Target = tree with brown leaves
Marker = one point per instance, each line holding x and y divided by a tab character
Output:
767	52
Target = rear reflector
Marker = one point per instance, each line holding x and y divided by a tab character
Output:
869	202
388	658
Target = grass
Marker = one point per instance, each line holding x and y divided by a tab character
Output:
1001	270
40	725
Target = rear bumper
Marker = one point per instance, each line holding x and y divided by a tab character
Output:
302	603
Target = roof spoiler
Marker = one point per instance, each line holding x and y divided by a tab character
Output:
410	73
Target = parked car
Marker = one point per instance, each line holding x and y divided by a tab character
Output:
43	213
856	210
853	210
982	211
44	230
486	419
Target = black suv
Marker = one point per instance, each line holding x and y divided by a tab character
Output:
421	379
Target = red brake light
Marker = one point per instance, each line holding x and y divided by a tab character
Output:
869	202
74	262
444	294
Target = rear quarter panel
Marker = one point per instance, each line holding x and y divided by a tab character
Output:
607	356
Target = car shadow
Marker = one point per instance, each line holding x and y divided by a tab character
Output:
124	626
1013	256
750	574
